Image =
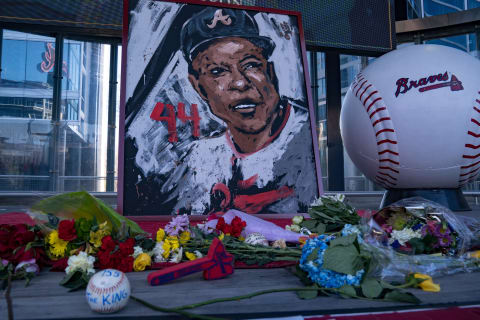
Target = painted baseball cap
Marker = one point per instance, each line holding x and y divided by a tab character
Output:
215	23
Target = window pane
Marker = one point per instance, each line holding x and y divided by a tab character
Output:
321	113
437	7
26	94
82	151
350	66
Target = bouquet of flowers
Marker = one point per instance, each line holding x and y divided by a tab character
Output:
420	227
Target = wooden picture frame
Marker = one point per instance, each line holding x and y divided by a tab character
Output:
216	111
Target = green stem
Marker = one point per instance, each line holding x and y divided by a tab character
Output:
174	310
241	297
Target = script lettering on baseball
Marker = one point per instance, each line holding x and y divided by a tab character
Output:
411	119
108	291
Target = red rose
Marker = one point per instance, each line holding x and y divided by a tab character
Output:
103	260
126	264
126	248
66	230
107	244
60	265
237	226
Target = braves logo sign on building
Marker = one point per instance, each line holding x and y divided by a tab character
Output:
436	81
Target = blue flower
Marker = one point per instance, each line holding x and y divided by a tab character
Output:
313	265
395	244
417	226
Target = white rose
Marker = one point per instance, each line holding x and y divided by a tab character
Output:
82	262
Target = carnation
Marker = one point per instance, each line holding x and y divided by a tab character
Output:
176	256
177	225
158	252
137	250
81	262
402	236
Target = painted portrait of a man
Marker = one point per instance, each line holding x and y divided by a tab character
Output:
217	114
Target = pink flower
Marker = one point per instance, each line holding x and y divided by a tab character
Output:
177	225
387	228
29	266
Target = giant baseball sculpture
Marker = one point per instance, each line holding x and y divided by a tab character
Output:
411	119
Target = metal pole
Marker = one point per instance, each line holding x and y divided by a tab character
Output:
1	43
56	112
112	108
336	180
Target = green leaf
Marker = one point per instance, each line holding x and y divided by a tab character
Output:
348	291
343	241
302	275
320	228
76	205
306	295
371	288
401	296
417	245
310	224
72	276
343	259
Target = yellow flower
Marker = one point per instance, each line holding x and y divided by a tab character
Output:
160	235
166	249
97	236
57	245
190	256
184	237
427	284
143	260
221	236
475	254
173	240
52	237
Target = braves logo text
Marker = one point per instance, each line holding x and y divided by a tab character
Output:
444	80
218	16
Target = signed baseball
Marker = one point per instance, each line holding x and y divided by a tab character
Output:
411	119
108	291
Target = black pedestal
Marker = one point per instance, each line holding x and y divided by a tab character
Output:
450	198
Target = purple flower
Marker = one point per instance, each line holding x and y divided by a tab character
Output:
29	266
5	262
445	241
177	225
441	230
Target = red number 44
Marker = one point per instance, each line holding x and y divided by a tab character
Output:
171	118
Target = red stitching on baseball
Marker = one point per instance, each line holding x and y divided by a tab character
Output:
364	92
475	121
360	87
388	151
474	134
476	109
471	146
469	166
385	180
388	168
380	120
466	156
369	96
386	141
387	175
466	174
373	102
384	130
477	100
377	110
389	160
357	82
